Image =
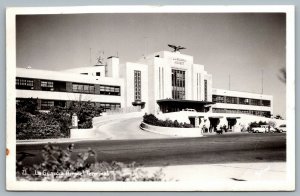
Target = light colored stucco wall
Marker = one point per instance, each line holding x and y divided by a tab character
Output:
69	77
243	95
91	71
129	83
156	70
112	67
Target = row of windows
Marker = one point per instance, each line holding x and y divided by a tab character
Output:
47	104
24	83
235	111
83	88
47	85
110	106
240	100
110	90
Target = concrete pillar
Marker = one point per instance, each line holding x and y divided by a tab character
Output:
112	68
197	122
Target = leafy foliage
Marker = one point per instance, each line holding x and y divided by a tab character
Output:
58	165
32	124
152	120
85	112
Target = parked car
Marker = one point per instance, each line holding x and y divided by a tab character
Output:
261	129
281	128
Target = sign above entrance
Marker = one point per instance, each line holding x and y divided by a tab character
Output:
179	61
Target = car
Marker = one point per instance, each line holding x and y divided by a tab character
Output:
189	110
261	129
281	128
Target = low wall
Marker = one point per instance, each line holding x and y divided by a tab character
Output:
82	133
172	131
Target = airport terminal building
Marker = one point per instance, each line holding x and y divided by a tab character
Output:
162	82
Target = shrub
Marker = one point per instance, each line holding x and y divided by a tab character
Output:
152	120
39	127
58	165
85	112
32	124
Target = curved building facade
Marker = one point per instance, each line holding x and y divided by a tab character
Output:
161	82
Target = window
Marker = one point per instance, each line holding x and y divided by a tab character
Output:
137	85
244	101
24	83
46	104
110	90
178	84
83	88
266	103
231	100
47	85
98	74
255	102
109	106
218	99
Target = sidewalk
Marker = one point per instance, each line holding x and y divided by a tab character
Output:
263	171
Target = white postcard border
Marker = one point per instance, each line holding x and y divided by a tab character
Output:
12	184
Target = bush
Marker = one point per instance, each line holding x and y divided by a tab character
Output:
39	127
85	112
152	120
32	124
58	165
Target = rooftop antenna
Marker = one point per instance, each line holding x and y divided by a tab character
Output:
262	81
229	82
145	46
90	56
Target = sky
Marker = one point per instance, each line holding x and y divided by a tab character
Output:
242	45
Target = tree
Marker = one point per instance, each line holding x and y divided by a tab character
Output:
282	75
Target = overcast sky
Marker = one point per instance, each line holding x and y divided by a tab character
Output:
241	45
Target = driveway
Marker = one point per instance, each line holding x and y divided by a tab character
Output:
125	129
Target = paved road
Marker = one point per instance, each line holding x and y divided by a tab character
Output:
125	129
230	148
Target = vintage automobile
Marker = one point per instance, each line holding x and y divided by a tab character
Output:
261	129
281	128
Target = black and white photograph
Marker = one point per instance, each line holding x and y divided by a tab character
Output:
141	98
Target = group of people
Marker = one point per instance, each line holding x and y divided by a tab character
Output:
218	129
